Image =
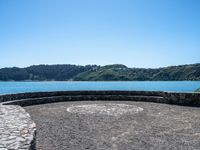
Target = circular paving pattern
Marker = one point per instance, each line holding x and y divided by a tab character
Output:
137	126
105	109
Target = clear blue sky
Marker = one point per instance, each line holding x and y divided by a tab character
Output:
137	33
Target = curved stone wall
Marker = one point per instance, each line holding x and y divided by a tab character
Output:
17	130
25	99
10	97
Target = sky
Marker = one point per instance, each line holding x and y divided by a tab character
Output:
136	33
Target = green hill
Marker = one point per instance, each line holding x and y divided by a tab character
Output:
121	72
197	90
116	72
43	72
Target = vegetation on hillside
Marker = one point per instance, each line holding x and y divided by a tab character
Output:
43	72
121	72
197	90
115	72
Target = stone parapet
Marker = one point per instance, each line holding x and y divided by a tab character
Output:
25	99
17	130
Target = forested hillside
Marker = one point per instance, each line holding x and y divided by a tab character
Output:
121	72
197	90
43	72
115	72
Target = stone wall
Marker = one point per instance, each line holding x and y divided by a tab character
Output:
25	99
18	96
186	99
17	130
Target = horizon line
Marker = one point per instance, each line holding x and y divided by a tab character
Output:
103	65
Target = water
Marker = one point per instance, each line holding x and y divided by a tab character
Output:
177	86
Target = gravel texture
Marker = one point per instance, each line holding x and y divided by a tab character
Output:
145	126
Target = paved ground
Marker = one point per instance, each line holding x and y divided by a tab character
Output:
17	130
107	126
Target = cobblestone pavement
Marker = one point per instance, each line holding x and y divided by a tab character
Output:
61	126
17	130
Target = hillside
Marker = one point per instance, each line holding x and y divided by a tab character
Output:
116	72
197	90
121	72
43	72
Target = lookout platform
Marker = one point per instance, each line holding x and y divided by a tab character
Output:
115	125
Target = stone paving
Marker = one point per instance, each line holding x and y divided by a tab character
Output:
105	109
17	130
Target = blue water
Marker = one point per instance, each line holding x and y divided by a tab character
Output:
19	87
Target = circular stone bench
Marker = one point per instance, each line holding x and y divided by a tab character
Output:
18	131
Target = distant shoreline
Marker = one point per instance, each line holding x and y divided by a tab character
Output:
110	81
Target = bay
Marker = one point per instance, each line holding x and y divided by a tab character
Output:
176	86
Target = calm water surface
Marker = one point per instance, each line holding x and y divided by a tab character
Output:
19	87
